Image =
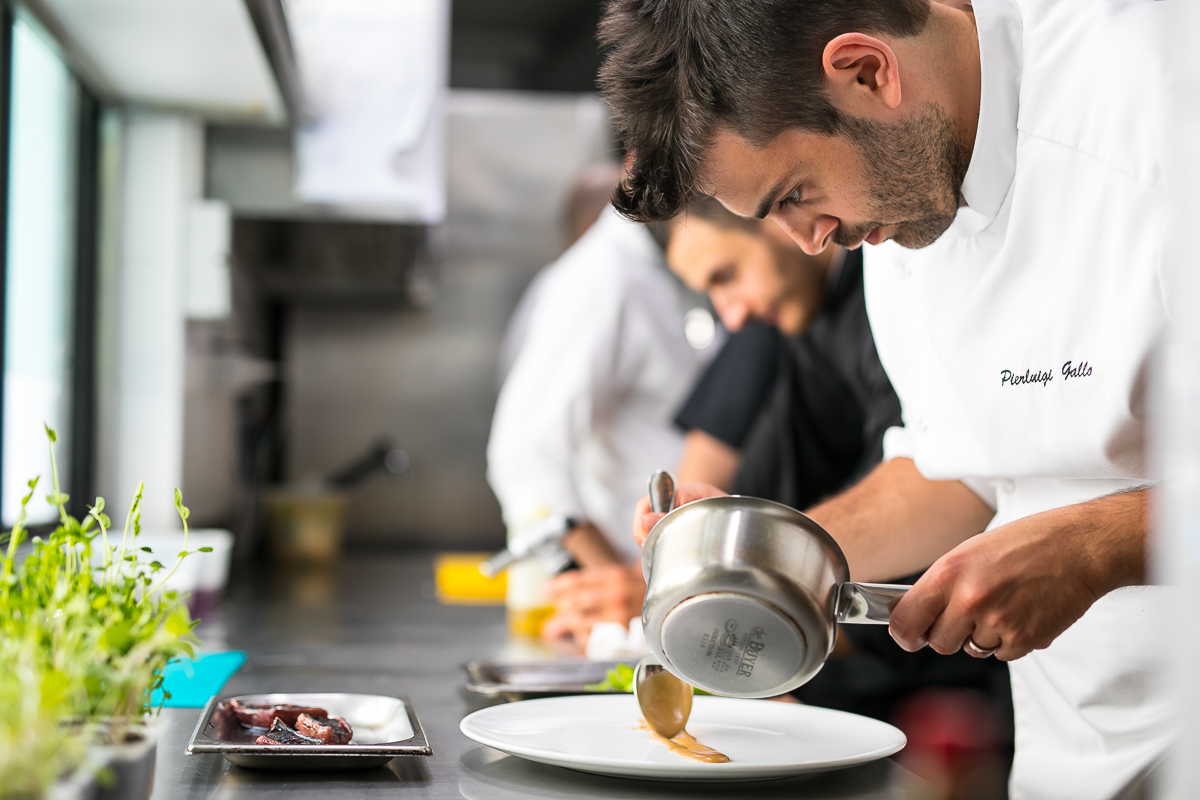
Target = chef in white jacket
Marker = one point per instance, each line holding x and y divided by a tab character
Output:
1002	158
1019	342
585	413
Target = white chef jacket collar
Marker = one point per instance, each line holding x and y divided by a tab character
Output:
634	236
994	157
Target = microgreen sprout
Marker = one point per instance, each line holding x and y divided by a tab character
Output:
58	498
184	512
135	514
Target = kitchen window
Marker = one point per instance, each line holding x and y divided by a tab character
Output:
48	111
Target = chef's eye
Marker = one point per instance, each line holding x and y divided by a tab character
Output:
791	198
721	276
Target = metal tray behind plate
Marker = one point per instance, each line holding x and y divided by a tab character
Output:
384	727
536	678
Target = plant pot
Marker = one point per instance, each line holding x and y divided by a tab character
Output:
127	768
79	785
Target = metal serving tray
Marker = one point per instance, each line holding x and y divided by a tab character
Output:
384	727
537	678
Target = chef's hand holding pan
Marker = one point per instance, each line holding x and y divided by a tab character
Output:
1014	589
644	519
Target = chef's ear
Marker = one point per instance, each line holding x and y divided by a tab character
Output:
861	70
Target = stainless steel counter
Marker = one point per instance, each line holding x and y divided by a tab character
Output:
375	627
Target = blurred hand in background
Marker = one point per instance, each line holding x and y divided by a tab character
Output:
583	597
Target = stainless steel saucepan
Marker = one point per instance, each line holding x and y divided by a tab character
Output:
743	595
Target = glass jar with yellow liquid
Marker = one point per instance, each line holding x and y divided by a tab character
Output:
525	598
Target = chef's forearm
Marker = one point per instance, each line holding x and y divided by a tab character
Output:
896	522
1111	532
589	547
707	459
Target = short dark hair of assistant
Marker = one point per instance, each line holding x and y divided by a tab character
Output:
676	69
711	211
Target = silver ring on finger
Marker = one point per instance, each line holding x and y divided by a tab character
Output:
977	651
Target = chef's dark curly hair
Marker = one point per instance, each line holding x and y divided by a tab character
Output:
677	68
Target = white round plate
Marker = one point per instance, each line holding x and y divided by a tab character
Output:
763	739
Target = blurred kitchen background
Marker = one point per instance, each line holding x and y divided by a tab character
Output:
282	238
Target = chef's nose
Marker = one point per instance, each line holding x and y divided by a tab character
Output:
733	313
811	232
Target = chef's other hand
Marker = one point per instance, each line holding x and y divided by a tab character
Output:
644	519
583	597
1019	586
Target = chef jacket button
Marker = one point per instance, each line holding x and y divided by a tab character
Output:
1007	486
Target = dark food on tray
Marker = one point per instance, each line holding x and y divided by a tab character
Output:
286	724
282	733
329	730
262	716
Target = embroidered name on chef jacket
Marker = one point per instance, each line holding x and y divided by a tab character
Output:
1044	377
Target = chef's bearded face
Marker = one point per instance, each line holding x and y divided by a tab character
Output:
913	172
869	181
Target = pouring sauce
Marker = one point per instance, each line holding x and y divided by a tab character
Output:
666	702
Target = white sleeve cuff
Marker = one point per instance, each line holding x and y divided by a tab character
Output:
898	443
984	488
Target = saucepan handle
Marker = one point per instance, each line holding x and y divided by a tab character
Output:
868	603
662	492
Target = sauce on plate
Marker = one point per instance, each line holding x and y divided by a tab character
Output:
685	744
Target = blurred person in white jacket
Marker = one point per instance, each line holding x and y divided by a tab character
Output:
599	367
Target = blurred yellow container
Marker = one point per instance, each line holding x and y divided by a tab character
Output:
459	581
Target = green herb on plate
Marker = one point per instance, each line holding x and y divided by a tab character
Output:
620	679
617	679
